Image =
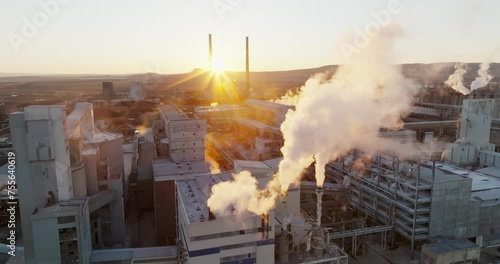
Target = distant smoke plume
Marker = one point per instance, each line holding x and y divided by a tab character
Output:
484	77
332	116
456	80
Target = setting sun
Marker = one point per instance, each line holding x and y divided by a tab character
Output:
217	66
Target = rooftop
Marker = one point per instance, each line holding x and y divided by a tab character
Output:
251	122
490	197
194	194
481	182
171	113
102	137
272	106
491	171
446	246
218	108
273	163
251	164
71	206
166	169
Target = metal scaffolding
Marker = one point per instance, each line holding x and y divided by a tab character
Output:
389	191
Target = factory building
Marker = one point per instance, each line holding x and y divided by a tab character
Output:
420	199
145	176
70	181
284	235
425	200
475	129
44	170
165	173
219	118
233	237
266	112
185	134
108	91
237	237
260	124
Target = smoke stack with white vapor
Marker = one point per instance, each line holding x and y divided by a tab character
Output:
484	77
332	116
456	79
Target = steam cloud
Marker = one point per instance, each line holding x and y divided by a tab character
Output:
484	77
332	116
455	81
243	194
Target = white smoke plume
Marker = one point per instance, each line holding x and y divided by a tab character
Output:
243	194
347	111
332	116
484	77
456	79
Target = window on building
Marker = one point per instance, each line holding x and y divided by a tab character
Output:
68	244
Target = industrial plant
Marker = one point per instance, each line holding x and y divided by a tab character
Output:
209	170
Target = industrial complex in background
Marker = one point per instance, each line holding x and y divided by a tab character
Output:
126	179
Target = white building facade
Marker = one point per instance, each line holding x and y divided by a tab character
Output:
208	238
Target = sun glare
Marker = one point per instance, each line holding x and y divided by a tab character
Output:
217	66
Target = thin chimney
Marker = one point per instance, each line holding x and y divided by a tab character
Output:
210	50
247	68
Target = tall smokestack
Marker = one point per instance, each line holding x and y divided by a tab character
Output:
210	50
319	208
247	68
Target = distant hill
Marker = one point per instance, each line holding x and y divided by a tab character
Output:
267	80
273	81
